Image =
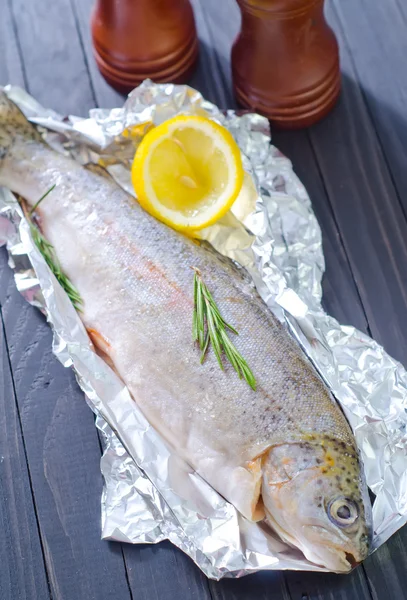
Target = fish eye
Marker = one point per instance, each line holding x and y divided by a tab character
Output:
342	512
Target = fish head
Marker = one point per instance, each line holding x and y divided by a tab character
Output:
316	499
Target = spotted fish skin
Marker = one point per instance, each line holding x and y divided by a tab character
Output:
264	450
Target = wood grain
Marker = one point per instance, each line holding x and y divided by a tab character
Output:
341	297
386	569
22	570
102	91
328	586
11	66
163	572
56	72
366	208
259	586
377	68
379	63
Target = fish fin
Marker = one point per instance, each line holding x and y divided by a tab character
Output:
102	346
259	512
255	467
13	123
98	340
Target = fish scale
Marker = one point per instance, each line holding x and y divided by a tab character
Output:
135	276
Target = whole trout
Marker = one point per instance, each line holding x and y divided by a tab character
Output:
285	452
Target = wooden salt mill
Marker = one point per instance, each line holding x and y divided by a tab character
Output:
285	61
138	39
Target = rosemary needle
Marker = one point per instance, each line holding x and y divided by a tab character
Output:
209	327
36	205
48	253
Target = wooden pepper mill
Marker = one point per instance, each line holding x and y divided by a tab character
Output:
285	61
138	39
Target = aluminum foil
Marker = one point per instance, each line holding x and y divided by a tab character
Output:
149	493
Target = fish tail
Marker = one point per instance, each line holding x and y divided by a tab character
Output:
13	125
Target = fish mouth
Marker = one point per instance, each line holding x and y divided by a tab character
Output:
332	558
351	560
329	556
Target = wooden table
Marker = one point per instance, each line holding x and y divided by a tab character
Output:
354	165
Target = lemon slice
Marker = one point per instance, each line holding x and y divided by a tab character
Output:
187	172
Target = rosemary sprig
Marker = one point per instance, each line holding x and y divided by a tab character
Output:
36	205
209	327
48	252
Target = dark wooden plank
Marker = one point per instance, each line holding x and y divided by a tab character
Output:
363	179
328	586
209	77
220	26
82	11
386	569
22	569
366	208
56	71
379	62
63	456
163	571
11	69
375	34
340	294
259	586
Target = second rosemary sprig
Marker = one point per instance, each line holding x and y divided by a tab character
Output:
48	252
209	327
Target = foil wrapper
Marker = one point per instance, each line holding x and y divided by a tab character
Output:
149	493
